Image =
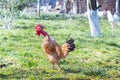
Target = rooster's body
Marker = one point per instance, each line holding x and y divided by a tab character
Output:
56	52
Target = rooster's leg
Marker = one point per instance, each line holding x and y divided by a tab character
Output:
58	66
53	65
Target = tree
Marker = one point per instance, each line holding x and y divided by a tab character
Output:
78	6
63	9
69	5
118	7
93	18
10	8
38	8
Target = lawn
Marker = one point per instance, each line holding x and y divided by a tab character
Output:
95	58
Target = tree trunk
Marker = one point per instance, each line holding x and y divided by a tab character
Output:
38	8
63	5
75	7
78	6
93	18
118	7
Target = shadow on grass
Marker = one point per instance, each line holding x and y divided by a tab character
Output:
38	73
88	71
113	44
66	71
22	74
35	74
4	76
66	79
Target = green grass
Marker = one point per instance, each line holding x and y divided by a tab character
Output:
94	58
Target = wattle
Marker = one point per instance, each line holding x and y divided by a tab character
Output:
38	33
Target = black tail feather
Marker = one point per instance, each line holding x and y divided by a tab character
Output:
72	44
70	41
2	65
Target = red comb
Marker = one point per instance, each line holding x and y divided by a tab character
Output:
38	27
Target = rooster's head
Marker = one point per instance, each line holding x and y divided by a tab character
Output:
39	30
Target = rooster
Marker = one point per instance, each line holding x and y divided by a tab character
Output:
52	49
